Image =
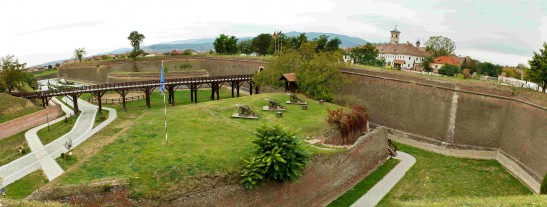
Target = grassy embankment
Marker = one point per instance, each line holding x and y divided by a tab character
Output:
437	177
44	73
26	185
14	107
56	130
203	140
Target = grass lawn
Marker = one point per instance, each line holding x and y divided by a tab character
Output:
100	117
14	107
56	130
437	177
26	185
8	147
45	73
203	139
516	201
365	185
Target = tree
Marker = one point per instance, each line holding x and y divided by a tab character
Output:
538	67
472	65
79	53
57	65
261	43
440	46
489	69
450	70
425	63
11	75
296	42
367	55
321	43
225	44
136	38
49	67
333	44
245	47
318	73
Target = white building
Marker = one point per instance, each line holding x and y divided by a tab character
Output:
403	56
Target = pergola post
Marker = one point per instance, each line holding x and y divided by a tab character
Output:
99	95
237	88
217	86
251	88
75	103
195	94
123	93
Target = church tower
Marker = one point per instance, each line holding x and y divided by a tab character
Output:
394	36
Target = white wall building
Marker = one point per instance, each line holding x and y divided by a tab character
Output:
404	56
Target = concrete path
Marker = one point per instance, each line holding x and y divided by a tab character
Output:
378	191
44	156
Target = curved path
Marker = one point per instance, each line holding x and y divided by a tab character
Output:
378	191
44	156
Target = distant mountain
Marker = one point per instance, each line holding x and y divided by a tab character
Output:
206	44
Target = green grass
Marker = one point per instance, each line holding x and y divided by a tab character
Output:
56	130
438	177
14	107
100	117
45	73
203	139
26	185
8	147
66	163
513	201
364	185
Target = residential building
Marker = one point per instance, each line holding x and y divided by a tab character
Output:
442	60
404	56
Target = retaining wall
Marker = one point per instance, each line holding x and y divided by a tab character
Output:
29	121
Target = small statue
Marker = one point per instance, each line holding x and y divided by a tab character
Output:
274	104
295	99
245	110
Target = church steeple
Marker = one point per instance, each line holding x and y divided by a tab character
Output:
395	34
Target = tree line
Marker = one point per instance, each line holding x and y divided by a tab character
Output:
269	44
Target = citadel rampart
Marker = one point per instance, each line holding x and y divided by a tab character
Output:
469	115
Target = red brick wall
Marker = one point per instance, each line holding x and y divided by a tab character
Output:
29	121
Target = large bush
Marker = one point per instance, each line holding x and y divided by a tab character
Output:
348	122
543	189
279	156
450	70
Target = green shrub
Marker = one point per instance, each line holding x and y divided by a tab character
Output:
107	187
449	70
279	156
543	189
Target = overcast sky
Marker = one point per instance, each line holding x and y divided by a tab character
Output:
504	32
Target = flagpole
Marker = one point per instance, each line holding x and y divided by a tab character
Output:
164	104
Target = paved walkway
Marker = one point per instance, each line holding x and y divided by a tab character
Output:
378	191
44	156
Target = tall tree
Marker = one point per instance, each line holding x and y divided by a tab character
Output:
318	73
333	44
425	63
367	55
79	53
295	42
321	43
245	47
538	67
136	38
225	44
11	75
440	46
261	43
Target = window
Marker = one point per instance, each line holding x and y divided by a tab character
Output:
408	58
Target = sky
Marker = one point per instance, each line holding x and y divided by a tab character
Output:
501	31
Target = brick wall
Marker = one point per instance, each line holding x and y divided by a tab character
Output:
29	121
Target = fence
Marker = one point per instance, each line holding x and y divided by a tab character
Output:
117	100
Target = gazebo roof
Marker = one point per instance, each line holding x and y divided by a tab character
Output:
291	77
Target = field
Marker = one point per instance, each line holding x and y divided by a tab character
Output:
437	177
203	140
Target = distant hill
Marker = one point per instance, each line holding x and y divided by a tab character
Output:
206	44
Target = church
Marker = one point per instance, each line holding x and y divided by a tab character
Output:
402	56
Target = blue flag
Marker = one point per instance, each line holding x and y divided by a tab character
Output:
162	79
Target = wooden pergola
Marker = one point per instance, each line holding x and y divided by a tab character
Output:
290	82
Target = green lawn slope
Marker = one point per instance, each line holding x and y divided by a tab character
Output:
508	201
12	107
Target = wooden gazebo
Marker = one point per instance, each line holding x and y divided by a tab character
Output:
290	82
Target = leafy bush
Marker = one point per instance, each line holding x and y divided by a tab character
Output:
449	70
543	189
348	123
279	156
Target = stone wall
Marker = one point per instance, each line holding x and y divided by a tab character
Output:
29	121
458	116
